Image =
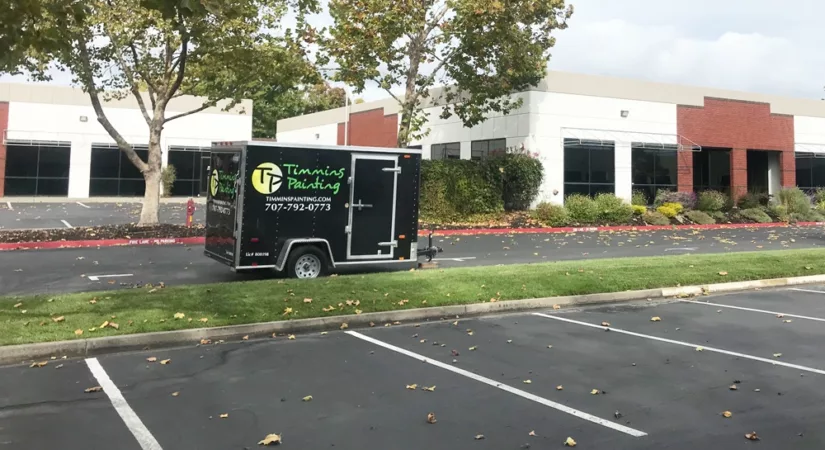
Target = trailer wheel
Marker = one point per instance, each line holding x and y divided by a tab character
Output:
307	262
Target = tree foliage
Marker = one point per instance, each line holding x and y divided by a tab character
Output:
278	102
155	51
482	50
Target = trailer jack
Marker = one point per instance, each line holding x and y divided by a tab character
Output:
431	250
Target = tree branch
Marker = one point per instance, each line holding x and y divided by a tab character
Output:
94	97
194	111
150	87
184	52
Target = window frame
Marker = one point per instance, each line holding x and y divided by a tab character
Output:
195	178
443	150
651	189
38	147
122	182
593	188
486	150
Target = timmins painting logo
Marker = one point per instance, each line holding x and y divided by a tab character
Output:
266	178
213	183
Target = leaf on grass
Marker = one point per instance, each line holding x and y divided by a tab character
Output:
93	389
431	418
358	311
307	300
308	398
569	442
114	325
38	364
58	319
328	308
152	359
179	315
18	305
166	361
104	325
723	273
224	416
605	324
271	439
287	311
204	319
412	387
479	437
429	389
78	332
727	414
92	301
752	436
656	319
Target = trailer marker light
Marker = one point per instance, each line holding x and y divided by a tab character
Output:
254	264
402	236
253	240
406	156
401	258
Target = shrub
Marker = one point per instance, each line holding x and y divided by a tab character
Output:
779	213
753	200
552	215
582	209
612	209
819	195
820	205
719	216
699	217
810	216
667	211
639	198
655	218
677	206
686	199
709	201
453	188
794	200
639	210
517	176
167	179
756	215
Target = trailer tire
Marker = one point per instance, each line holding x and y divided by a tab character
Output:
307	261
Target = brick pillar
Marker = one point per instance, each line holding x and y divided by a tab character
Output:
684	171
738	172
4	123
787	167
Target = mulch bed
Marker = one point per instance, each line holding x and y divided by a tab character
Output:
129	231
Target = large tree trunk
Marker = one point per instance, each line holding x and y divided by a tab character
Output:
151	198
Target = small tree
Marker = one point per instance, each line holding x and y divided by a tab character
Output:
483	49
154	50
281	102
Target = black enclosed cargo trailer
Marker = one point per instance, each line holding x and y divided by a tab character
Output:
305	209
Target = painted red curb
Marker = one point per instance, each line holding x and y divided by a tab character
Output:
485	231
101	243
199	240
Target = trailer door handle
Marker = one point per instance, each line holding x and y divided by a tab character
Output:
360	205
392	169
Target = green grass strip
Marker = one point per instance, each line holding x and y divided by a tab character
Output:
28	319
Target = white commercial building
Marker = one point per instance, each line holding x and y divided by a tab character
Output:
601	134
53	145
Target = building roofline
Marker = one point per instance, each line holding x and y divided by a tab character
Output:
595	86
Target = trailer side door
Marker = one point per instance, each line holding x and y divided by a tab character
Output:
372	204
222	206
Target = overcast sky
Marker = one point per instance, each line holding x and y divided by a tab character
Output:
750	45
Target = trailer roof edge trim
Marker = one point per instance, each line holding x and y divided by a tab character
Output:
413	151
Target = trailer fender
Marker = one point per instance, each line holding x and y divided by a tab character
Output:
289	244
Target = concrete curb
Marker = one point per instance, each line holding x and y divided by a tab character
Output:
89	347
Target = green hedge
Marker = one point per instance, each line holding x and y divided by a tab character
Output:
454	188
517	176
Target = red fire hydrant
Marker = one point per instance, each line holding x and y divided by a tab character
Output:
190	212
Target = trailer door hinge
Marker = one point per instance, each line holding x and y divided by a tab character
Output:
348	229
392	169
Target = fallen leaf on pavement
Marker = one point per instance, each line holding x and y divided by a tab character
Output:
78	332
344	325
527	381
152	359
58	319
431	418
699	349
473	348
733	387
271	439
532	433
569	442
166	361
224	416
727	414
175	394
779	316
594	392
308	398
412	387
549	346
291	337
179	315
656	319
752	436
469	333
556	307
559	388
605	324
206	341
245	338
428	389
479	437
93	389
38	364
455	324
777	355
787	321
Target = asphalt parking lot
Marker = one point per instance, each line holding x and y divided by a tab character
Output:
496	376
86	214
75	270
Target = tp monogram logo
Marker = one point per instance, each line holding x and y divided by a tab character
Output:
213	183
266	178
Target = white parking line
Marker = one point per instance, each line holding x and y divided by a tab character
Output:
9	205
807	290
130	418
755	310
68	225
85	206
686	344
98	277
458	259
504	387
